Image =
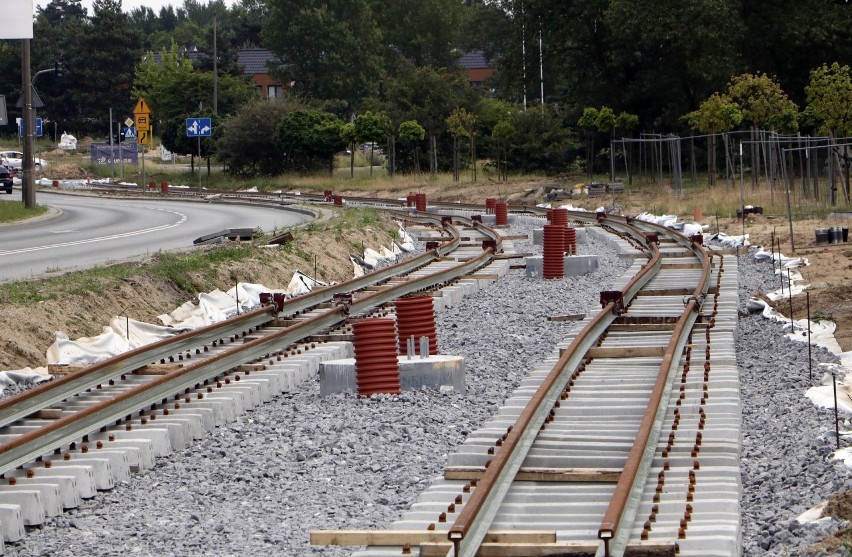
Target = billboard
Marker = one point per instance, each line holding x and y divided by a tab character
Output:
99	153
17	19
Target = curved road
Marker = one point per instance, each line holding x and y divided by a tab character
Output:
93	230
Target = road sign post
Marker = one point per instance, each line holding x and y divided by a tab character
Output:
142	115
198	128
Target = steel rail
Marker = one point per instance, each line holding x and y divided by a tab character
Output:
27	402
620	513
67	429
472	523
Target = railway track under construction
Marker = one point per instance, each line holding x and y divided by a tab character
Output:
624	442
88	429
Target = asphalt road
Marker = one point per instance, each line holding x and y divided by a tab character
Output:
91	231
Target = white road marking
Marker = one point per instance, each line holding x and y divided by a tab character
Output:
182	219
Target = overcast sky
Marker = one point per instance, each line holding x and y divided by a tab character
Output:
131	4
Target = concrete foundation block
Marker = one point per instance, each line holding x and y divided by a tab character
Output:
54	495
84	476
69	498
100	468
574	265
11	523
337	376
32	508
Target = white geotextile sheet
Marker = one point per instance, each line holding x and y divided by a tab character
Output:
212	307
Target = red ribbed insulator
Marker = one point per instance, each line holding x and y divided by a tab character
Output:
502	212
571	240
550	215
376	366
416	317
410	200
490	203
560	216
338	200
421	201
553	262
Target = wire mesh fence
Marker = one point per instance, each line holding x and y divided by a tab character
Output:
803	180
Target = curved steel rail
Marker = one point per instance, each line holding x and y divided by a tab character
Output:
473	521
30	401
69	428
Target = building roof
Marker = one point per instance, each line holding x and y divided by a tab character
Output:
474	60
255	61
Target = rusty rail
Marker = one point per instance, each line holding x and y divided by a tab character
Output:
69	428
471	525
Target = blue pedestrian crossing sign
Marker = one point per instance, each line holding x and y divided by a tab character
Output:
129	133
38	128
199	127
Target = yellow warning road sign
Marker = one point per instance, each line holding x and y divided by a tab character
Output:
143	122
141	107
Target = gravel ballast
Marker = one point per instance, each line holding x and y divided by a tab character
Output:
260	485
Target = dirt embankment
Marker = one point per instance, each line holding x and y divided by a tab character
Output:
34	310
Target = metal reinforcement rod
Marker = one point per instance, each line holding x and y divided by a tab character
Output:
475	518
618	519
69	428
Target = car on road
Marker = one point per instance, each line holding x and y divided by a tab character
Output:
5	180
15	160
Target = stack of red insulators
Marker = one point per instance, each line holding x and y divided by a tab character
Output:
571	240
553	262
415	317
376	364
490	203
502	212
421	201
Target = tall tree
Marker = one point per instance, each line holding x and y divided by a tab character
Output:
329	49
424	33
310	138
717	114
112	47
829	96
673	54
789	38
764	105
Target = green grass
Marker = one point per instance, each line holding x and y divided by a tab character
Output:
11	211
174	267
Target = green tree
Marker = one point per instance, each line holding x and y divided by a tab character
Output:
175	90
764	105
423	32
462	123
503	131
247	146
310	138
588	122
413	133
673	54
829	96
328	48
427	95
371	127
789	39
717	114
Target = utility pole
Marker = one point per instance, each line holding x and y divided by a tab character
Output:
27	181
215	71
